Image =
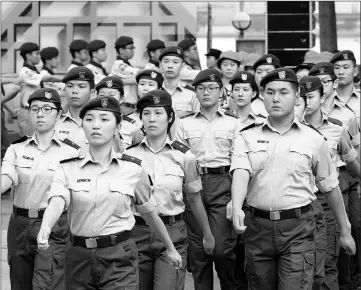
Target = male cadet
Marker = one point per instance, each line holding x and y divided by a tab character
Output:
250	60
212	57
210	132
342	153
154	49
190	68
275	165
30	80
98	55
261	67
344	63
333	108
79	51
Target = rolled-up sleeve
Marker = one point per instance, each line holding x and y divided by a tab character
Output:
31	78
354	130
144	200
240	159
60	187
192	181
8	165
346	151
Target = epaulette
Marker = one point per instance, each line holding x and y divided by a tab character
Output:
348	107
260	115
189	88
22	139
128	119
248	127
190	114
132	146
69	159
70	143
150	180
129	158
228	113
312	127
180	146
335	121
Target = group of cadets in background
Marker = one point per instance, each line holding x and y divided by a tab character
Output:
226	164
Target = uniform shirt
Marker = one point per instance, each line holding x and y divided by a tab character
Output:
152	65
56	86
31	81
32	170
258	107
99	200
172	173
74	64
250	119
123	69
353	102
98	71
127	127
284	168
188	73
211	141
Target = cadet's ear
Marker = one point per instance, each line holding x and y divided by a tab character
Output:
93	94
59	114
323	98
335	84
355	71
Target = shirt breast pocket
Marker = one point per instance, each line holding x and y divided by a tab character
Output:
194	139
81	197
258	156
173	178
300	159
223	141
119	198
182	109
24	168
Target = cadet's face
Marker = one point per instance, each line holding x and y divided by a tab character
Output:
155	121
193	52
328	85
208	99
261	71
54	62
300	108
157	53
42	122
101	55
35	57
109	92
301	73
229	68
128	51
171	66
313	102
242	94
211	62
84	55
78	93
345	71
279	99
99	127
145	86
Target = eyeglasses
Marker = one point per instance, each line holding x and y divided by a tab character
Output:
200	89
325	82
45	110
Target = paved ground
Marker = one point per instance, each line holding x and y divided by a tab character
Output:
6	207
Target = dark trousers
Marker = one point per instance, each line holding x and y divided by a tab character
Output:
31	268
110	268
155	272
280	255
240	264
216	193
320	239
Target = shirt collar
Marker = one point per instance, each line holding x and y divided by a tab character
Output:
33	68
76	63
295	123
219	111
167	142
179	86
124	60
88	158
354	93
50	71
54	138
98	65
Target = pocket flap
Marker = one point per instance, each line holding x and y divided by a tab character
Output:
25	163
301	150
256	147
224	134
81	186
121	188
193	134
53	165
173	170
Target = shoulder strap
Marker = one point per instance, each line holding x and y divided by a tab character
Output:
22	139
228	113
248	127
69	159
70	143
180	146
348	107
189	88
132	146
126	118
129	158
190	114
335	121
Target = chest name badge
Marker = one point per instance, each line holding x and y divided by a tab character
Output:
82	180
64	132
262	141
28	158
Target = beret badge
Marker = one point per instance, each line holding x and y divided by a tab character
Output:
48	95
104	103
281	74
82	75
269	59
109	83
156	100
244	77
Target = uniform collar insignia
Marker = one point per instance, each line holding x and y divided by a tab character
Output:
104	103
282	74
109	83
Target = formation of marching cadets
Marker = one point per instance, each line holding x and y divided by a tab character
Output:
247	167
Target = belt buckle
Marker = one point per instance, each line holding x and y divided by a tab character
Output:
91	243
33	213
204	170
275	215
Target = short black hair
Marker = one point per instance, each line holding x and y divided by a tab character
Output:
254	87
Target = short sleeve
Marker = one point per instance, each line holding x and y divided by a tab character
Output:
239	158
144	201
60	186
179	133
8	165
354	130
31	78
345	149
192	177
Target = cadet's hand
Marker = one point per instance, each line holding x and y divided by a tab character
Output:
208	244
43	237
348	243
175	259
229	211
238	220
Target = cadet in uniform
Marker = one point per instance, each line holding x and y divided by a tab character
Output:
190	69
300	104
261	67
28	168
342	153
212	57
275	165
173	170
209	133
79	52
98	55
228	64
154	49
97	189
250	60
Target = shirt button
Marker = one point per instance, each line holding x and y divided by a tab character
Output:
97	210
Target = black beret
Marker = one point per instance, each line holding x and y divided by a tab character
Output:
279	74
267	59
243	77
79	73
45	95
303	93
124	41
78	45
214	52
49	52
96	44
28	47
109	104
150	74
155	44
304	65
155	98
172	50
323	68
310	83
112	82
207	75
343	55
186	43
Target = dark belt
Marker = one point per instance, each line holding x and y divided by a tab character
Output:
217	170
101	241
280	214
30	213
167	220
129	105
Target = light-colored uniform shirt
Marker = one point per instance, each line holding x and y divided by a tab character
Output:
172	172
127	127
32	170
60	87
284	168
258	107
99	199
98	71
211	141
250	119
74	64
353	102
